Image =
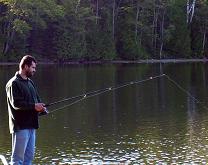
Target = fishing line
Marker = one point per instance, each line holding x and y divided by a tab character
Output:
74	97
185	91
112	88
68	105
97	92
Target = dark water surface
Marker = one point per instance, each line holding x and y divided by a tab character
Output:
149	123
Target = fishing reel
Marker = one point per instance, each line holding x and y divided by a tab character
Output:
45	112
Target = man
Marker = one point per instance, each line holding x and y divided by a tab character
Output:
24	107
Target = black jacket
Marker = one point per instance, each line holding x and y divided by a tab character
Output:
21	98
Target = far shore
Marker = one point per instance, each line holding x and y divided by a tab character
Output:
116	61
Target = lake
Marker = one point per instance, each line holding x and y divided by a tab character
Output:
151	122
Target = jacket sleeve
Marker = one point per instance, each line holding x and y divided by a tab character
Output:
17	99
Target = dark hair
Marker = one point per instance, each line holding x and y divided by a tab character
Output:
26	60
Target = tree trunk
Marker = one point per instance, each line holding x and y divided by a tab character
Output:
190	8
162	33
155	34
97	7
136	22
204	40
77	6
193	9
153	28
113	21
9	39
140	40
155	31
187	11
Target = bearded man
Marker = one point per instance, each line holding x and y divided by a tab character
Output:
24	107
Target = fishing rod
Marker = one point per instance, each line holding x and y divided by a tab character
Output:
112	88
74	97
98	92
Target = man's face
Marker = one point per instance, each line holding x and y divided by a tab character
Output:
30	71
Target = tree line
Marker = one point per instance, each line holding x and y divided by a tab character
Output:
103	30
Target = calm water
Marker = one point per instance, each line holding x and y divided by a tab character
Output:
149	123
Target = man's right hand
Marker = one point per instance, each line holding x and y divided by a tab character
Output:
39	107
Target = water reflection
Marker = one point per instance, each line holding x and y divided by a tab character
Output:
149	123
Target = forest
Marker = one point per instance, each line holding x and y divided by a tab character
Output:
64	30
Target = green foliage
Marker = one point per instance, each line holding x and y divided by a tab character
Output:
70	44
129	47
128	43
21	26
100	45
134	51
20	17
179	42
70	40
74	29
199	28
99	38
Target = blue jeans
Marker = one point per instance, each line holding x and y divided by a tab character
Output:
23	147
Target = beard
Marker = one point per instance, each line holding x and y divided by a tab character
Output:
29	74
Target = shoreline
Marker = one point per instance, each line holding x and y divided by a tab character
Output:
147	61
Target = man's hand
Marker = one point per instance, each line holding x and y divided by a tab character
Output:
39	107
